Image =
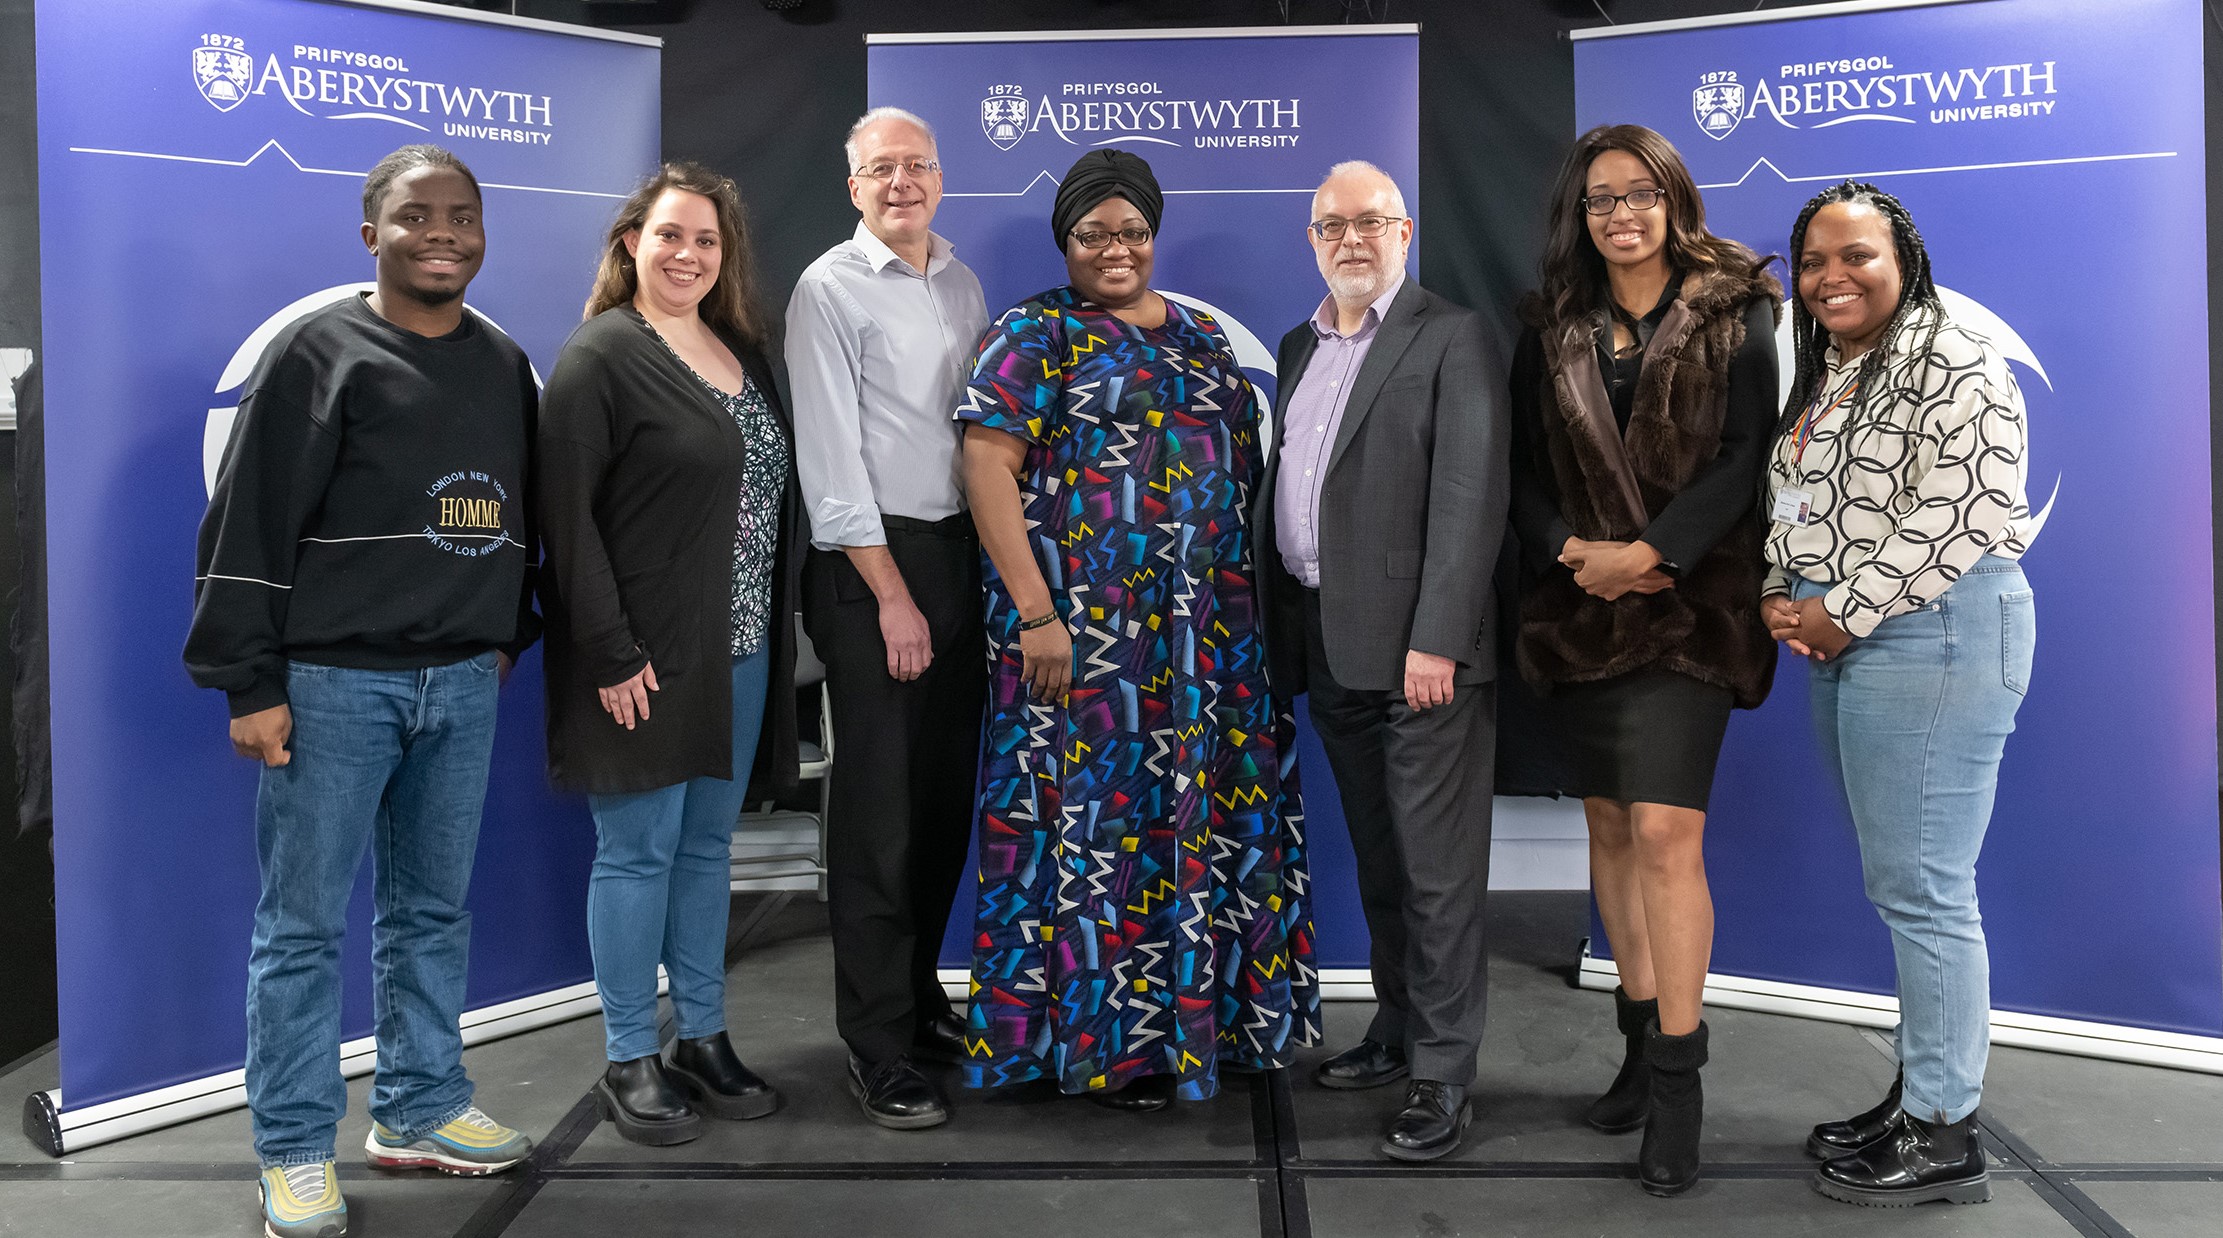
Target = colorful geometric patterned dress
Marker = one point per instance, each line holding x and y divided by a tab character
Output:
1144	905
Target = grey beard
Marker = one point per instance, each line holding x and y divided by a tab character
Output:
1355	287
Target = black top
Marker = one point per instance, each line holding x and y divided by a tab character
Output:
371	510
641	476
1702	513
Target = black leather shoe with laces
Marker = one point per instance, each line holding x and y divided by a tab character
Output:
1434	1119
897	1095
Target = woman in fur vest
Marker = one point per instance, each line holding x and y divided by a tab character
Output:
1644	392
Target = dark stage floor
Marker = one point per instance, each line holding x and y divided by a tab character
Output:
2082	1147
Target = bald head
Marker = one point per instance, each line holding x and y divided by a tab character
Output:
1357	196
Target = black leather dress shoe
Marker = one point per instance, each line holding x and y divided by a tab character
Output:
640	1101
941	1040
1431	1124
1915	1162
1367	1064
1834	1139
714	1079
1145	1095
896	1095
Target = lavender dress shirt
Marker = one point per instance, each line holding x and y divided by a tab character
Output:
1309	418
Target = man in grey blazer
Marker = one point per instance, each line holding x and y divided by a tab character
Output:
1377	528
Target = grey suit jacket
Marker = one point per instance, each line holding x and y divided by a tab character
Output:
1412	510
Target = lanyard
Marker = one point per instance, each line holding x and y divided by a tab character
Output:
1807	424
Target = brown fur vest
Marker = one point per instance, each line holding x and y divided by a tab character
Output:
1612	485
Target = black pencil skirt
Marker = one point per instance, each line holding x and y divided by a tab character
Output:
1651	736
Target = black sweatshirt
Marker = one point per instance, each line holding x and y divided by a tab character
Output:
371	508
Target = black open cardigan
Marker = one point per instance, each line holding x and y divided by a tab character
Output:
639	481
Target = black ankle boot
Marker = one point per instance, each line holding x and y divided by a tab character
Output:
1835	1139
1667	1164
1915	1162
1625	1103
641	1102
708	1070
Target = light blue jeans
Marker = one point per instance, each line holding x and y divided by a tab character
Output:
659	890
1913	719
396	762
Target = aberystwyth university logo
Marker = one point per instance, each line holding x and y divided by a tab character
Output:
1003	116
1104	113
367	85
1821	94
1718	104
223	70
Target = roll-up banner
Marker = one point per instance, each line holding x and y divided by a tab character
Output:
1240	127
200	186
2050	151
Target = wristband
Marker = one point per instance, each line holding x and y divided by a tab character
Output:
1028	625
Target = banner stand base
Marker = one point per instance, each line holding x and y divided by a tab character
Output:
2110	1041
58	1130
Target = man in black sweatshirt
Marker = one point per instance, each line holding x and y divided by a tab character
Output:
362	586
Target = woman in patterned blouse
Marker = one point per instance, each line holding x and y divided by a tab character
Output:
1898	516
667	504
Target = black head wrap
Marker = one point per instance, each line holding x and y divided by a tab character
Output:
1097	176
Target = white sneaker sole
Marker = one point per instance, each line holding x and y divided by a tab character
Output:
383	1157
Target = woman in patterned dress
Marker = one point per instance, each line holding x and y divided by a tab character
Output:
1144	916
1899	519
667	504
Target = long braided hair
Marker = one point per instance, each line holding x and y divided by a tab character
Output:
1917	299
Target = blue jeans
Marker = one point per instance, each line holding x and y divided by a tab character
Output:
1913	719
659	889
395	761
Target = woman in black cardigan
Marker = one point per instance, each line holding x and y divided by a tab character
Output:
1643	394
667	502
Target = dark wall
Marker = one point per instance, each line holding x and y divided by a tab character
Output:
767	97
26	858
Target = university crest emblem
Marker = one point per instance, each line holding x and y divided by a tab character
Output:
223	75
1718	106
1004	119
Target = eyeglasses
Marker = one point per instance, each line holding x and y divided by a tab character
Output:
917	169
1331	228
1092	239
1638	200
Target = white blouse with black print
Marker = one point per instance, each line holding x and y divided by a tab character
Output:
1926	479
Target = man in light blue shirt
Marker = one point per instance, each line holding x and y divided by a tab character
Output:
881	332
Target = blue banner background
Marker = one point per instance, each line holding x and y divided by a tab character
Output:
1233	227
177	217
2081	226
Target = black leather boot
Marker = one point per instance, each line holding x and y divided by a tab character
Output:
1843	1138
1667	1164
1431	1124
940	1040
1915	1162
1625	1103
641	1102
713	1077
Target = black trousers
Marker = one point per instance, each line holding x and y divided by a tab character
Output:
1416	787
906	758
